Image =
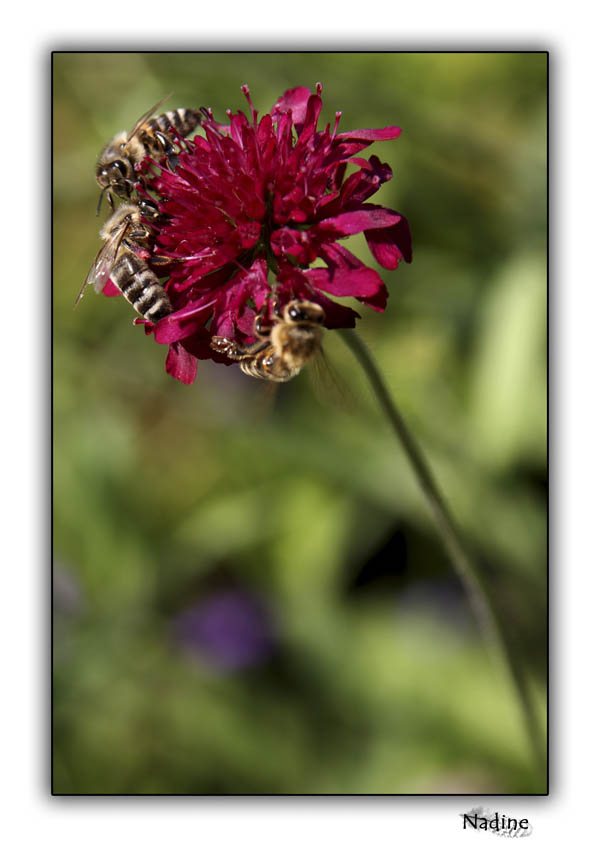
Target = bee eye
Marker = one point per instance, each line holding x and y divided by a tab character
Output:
296	314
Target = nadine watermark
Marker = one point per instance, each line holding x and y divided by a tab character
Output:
502	825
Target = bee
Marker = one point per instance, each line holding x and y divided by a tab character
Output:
283	349
115	171
128	242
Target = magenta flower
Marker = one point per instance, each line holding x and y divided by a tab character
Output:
269	195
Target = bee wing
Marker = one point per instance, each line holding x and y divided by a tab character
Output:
102	265
91	277
329	386
147	115
262	401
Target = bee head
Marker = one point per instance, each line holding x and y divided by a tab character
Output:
113	178
303	311
117	174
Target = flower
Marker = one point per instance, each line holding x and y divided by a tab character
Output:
230	629
260	196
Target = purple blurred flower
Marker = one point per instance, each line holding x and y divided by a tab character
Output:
230	629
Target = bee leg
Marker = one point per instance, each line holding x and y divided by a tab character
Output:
260	330
149	209
169	151
128	187
228	347
161	261
166	145
276	308
163	140
235	351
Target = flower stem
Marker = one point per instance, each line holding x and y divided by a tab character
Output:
481	603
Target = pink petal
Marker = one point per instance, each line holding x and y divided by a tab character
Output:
265	130
377	301
110	289
349	223
295	99
390	245
358	282
223	324
335	255
256	276
385	134
295	243
183	323
336	315
239	122
245	322
248	233
199	346
313	110
367	181
181	364
149	327
339	259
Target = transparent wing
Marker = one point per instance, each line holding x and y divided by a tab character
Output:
141	121
102	265
328	384
262	401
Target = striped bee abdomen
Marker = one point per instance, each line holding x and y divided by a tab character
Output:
154	135
141	287
269	366
183	120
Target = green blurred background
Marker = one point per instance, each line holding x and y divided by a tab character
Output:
339	654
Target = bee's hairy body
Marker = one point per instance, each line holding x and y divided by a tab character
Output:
292	342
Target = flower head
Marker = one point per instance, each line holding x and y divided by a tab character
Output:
267	196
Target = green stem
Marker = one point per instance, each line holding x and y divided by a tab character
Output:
481	603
